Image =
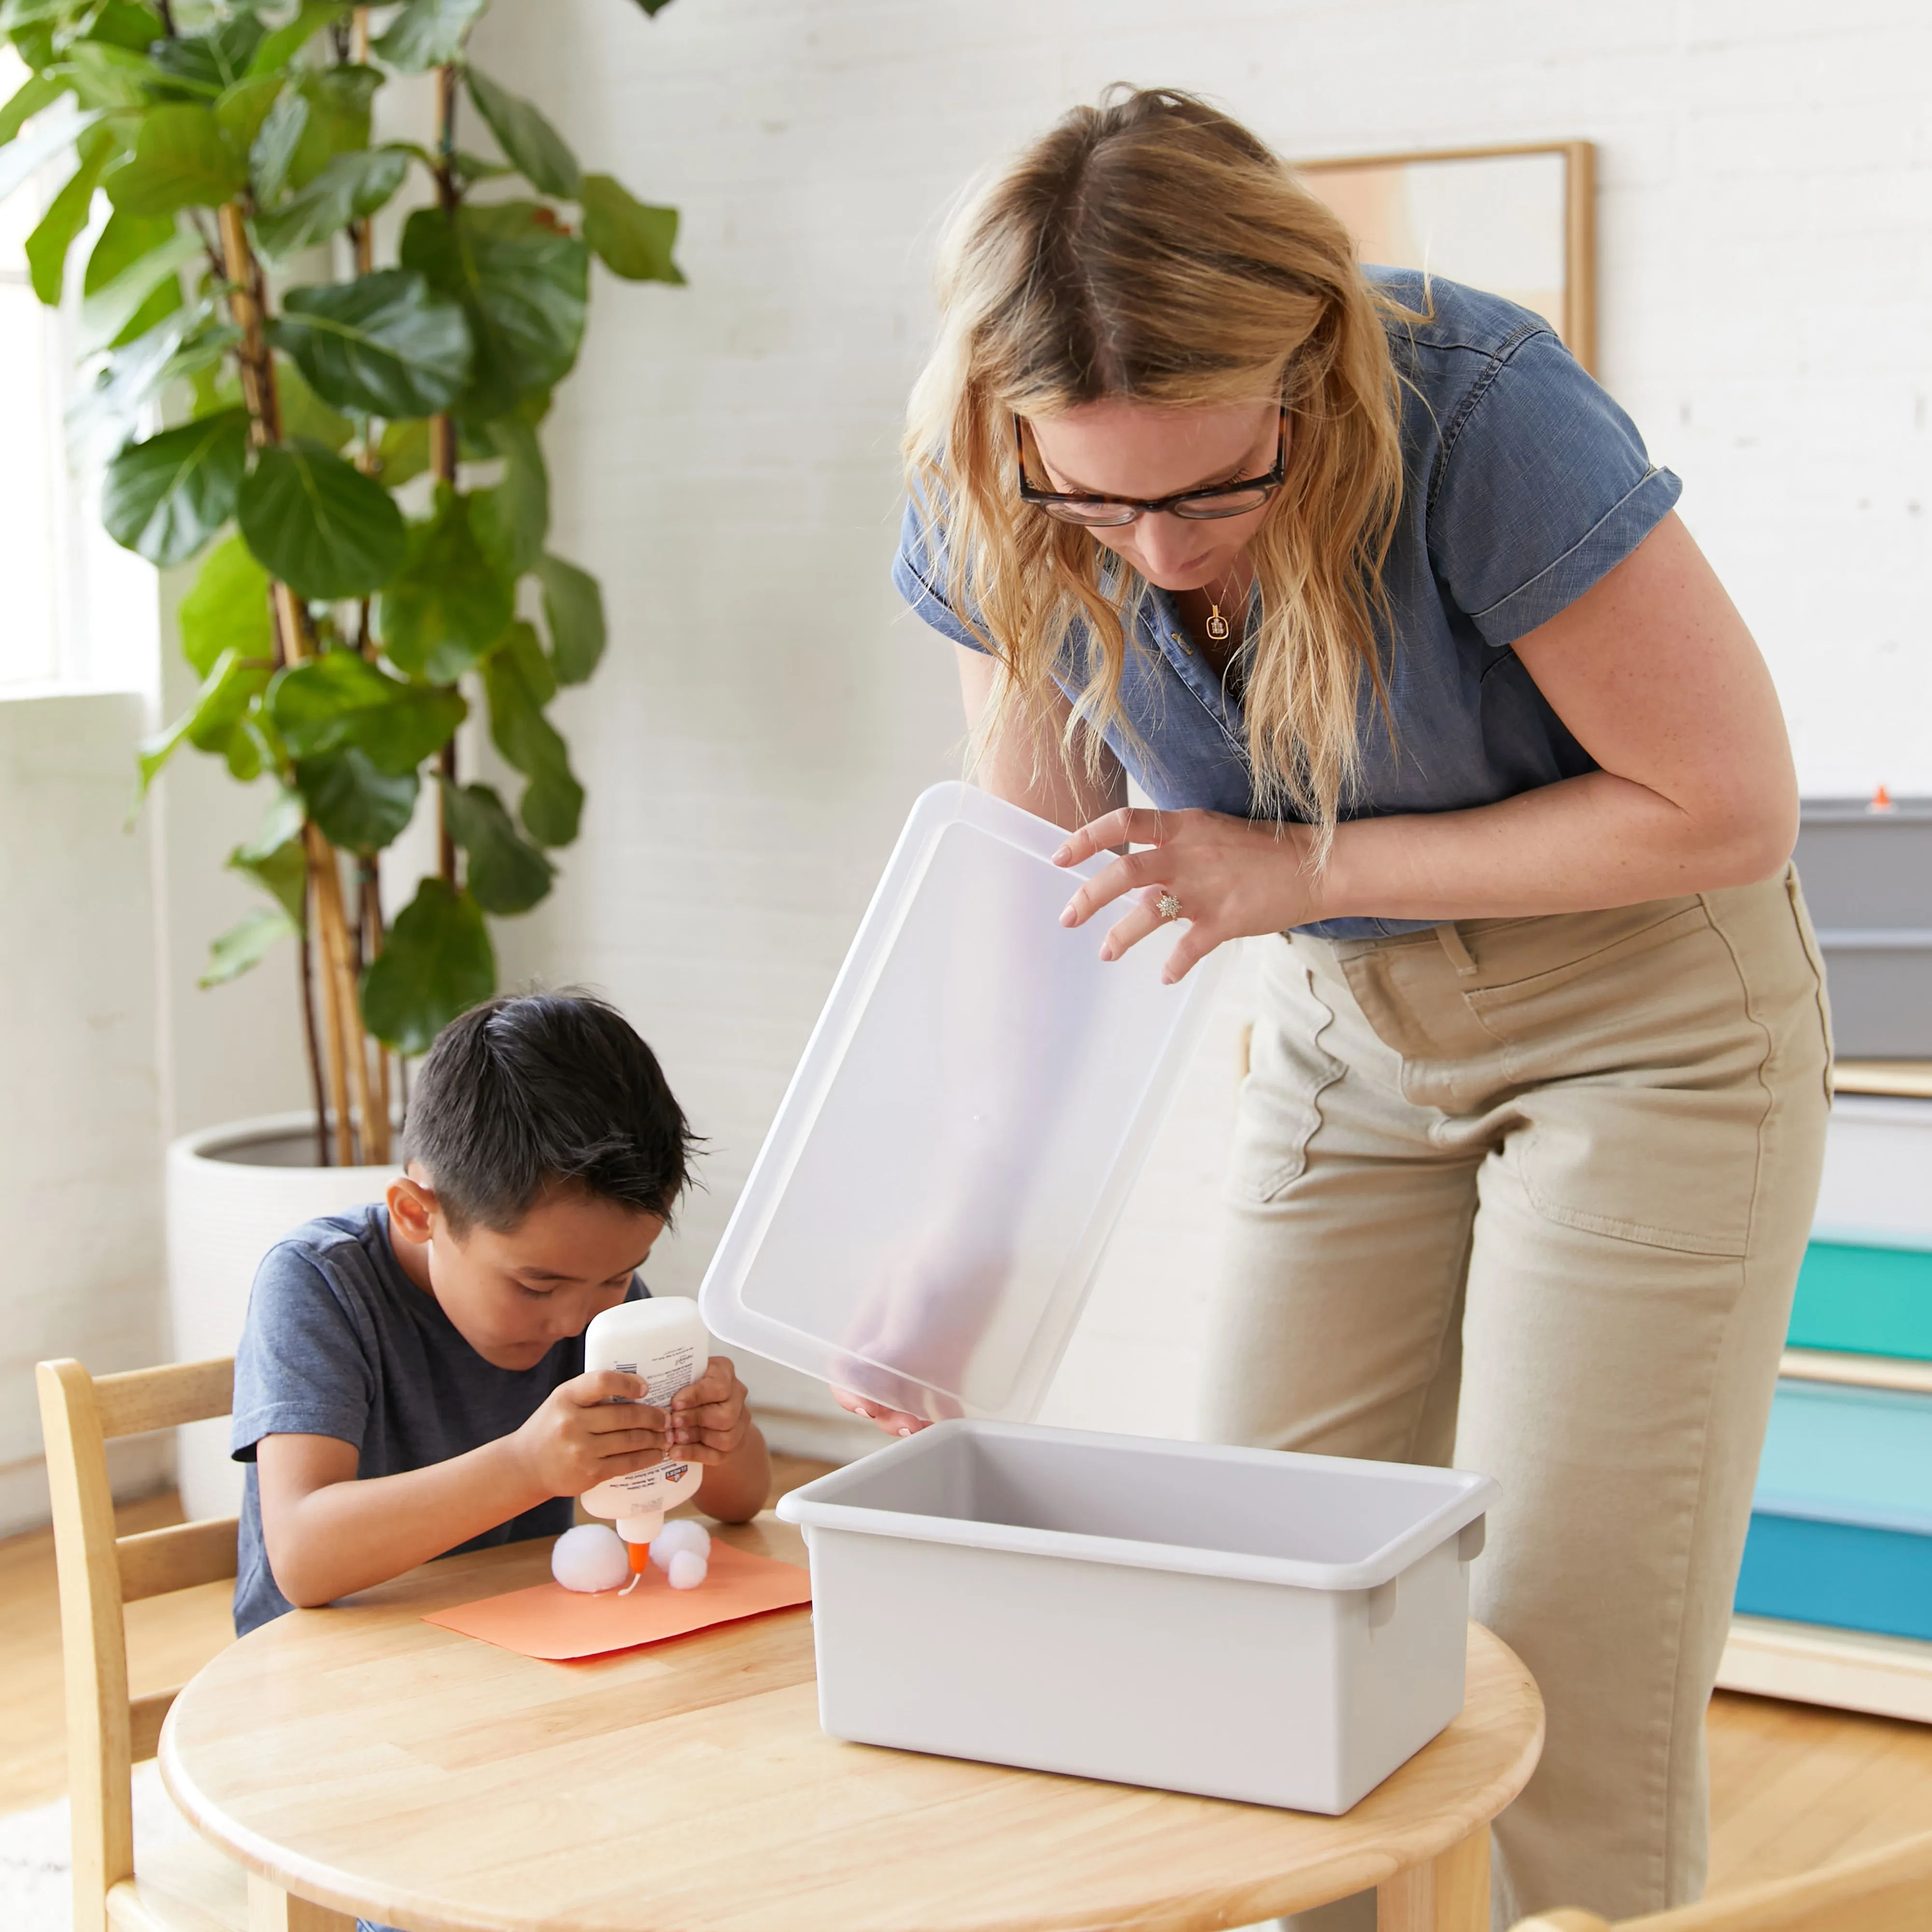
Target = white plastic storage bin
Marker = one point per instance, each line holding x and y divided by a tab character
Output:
1282	1629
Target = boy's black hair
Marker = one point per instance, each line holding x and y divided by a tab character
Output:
534	1090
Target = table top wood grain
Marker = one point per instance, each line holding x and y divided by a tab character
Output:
362	1758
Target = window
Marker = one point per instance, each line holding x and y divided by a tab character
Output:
77	611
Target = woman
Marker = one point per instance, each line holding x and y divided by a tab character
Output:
1377	595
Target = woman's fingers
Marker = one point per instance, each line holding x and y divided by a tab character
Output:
1137	868
1131	825
1134	926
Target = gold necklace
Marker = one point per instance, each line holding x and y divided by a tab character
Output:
1217	627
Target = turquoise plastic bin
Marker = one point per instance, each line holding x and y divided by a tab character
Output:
1841	1525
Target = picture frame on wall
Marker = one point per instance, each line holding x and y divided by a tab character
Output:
1518	221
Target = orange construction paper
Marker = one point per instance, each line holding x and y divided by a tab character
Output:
550	1622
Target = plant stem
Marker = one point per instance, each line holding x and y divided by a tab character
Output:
377	1135
442	439
302	943
321	865
348	1042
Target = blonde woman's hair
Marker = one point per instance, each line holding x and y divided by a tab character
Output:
1152	248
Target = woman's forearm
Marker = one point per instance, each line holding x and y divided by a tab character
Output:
1587	842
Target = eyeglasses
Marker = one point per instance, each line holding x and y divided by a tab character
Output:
1222	499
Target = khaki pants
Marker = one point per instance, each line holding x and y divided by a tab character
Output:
1531	1195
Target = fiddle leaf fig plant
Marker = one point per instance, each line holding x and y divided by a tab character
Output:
348	449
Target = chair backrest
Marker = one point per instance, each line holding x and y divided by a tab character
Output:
108	1733
1889	1890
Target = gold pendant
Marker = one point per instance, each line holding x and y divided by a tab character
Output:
1217	626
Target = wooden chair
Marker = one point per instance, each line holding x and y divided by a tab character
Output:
1889	1890
187	1887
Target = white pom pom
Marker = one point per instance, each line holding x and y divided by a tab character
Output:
590	1557
680	1534
686	1569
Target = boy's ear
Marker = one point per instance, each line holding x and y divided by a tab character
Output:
411	1206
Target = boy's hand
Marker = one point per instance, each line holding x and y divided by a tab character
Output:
589	1430
708	1421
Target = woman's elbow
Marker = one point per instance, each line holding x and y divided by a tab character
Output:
1756	837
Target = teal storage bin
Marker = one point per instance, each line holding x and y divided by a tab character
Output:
1864	1300
1841	1524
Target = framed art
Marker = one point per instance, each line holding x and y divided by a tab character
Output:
1518	221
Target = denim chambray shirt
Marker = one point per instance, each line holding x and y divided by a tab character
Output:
1523	484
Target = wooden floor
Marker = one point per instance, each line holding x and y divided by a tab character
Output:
1793	1787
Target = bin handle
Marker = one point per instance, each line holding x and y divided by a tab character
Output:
1474	1535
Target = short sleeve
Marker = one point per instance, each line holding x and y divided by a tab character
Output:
300	1369
919	571
1543	487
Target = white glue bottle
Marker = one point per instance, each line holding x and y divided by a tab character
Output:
663	1343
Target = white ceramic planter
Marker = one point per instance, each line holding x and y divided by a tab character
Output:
232	1192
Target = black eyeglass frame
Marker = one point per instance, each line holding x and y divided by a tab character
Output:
1268	483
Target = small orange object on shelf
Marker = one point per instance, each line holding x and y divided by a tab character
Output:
1881	801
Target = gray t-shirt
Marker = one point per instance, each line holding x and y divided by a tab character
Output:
339	1342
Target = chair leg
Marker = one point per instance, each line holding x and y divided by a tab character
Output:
272	1910
1448	1894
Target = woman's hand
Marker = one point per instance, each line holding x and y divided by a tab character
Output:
1234	877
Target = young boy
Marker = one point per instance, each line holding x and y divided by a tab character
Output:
410	1378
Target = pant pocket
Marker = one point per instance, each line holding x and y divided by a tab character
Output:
1639	1067
1279	1110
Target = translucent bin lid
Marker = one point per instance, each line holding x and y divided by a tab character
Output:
925	1219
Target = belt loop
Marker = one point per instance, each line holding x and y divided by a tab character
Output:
1459	954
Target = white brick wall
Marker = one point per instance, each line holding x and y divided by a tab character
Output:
726	459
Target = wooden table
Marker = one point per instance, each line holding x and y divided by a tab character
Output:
358	1759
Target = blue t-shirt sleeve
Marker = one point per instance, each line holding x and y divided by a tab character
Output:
302	1368
919	575
1543	487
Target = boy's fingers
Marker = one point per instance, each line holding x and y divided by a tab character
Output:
603	1419
605	1385
716	1385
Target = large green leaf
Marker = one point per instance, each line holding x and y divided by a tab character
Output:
207	63
108	77
512	520
339	100
125	23
634	239
505	873
181	159
304	413
272	154
384	344
573	610
447	606
428	33
282	45
67	215
244	108
184	344
436	964
35	95
524	284
536	150
227	610
214	721
275	858
402	454
351	186
132	280
358	808
340	699
245	945
165	498
513	681
318	524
